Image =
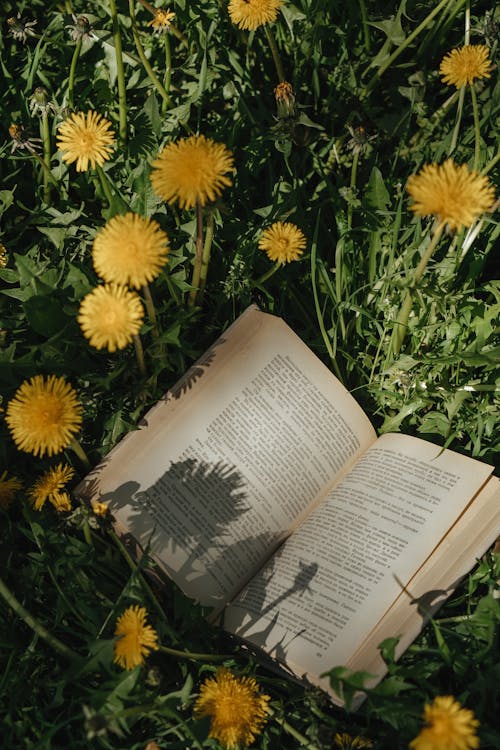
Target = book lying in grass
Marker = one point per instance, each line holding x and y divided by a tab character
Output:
264	493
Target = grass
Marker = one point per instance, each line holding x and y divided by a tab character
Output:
368	110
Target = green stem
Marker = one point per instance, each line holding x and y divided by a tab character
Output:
477	129
72	71
136	571
467	23
301	739
140	51
275	53
458	120
205	257
139	353
150	307
193	655
46	155
491	163
352	185
77	448
267	275
409	39
36	626
120	73
168	71
46	169
195	281
86	533
105	184
364	20
401	322
319	313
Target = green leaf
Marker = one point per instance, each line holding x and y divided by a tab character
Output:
435	422
152	110
377	196
44	315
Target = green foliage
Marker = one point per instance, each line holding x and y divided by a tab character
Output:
370	109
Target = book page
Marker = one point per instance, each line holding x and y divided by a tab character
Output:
222	468
472	535
323	592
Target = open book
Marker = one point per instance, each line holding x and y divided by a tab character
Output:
265	494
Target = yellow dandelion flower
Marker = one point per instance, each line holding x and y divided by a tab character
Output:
85	139
130	250
237	708
136	638
110	316
462	65
100	509
192	170
452	193
162	20
44	415
250	14
344	741
449	727
50	486
283	242
8	489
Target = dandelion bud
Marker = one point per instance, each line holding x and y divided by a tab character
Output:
285	100
3	255
20	29
20	139
80	29
40	101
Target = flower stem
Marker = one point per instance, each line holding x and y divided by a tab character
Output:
150	307
86	532
319	312
267	275
352	185
194	655
136	571
139	353
72	71
275	53
364	20
105	184
77	448
399	330
301	739
195	281
409	39
205	258
46	155
46	169
491	163
456	129
140	51
120	73
168	72
477	129
36	626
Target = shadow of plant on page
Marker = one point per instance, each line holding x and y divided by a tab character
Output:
199	526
